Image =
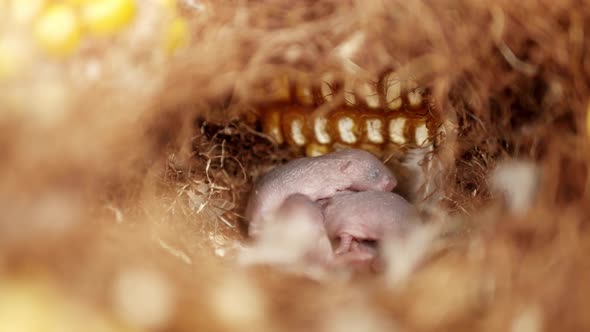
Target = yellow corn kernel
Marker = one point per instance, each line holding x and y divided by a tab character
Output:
314	149
57	31
177	35
271	125
77	2
29	305
278	89
107	17
24	11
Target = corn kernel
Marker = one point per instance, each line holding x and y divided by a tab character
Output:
32	306
177	35
77	2
24	11
107	17
57	30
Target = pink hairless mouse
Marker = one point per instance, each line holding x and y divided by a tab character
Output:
347	228
357	221
299	208
316	178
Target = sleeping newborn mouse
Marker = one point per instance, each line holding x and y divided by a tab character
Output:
316	178
356	223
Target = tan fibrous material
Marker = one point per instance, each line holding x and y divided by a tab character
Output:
103	170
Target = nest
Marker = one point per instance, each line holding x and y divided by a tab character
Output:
122	198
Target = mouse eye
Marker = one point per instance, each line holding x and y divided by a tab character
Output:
374	174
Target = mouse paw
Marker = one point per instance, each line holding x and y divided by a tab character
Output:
346	241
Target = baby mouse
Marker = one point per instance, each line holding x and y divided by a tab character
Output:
316	178
356	222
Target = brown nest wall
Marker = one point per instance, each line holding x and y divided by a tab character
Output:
119	204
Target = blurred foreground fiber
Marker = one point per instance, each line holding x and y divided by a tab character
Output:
121	213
